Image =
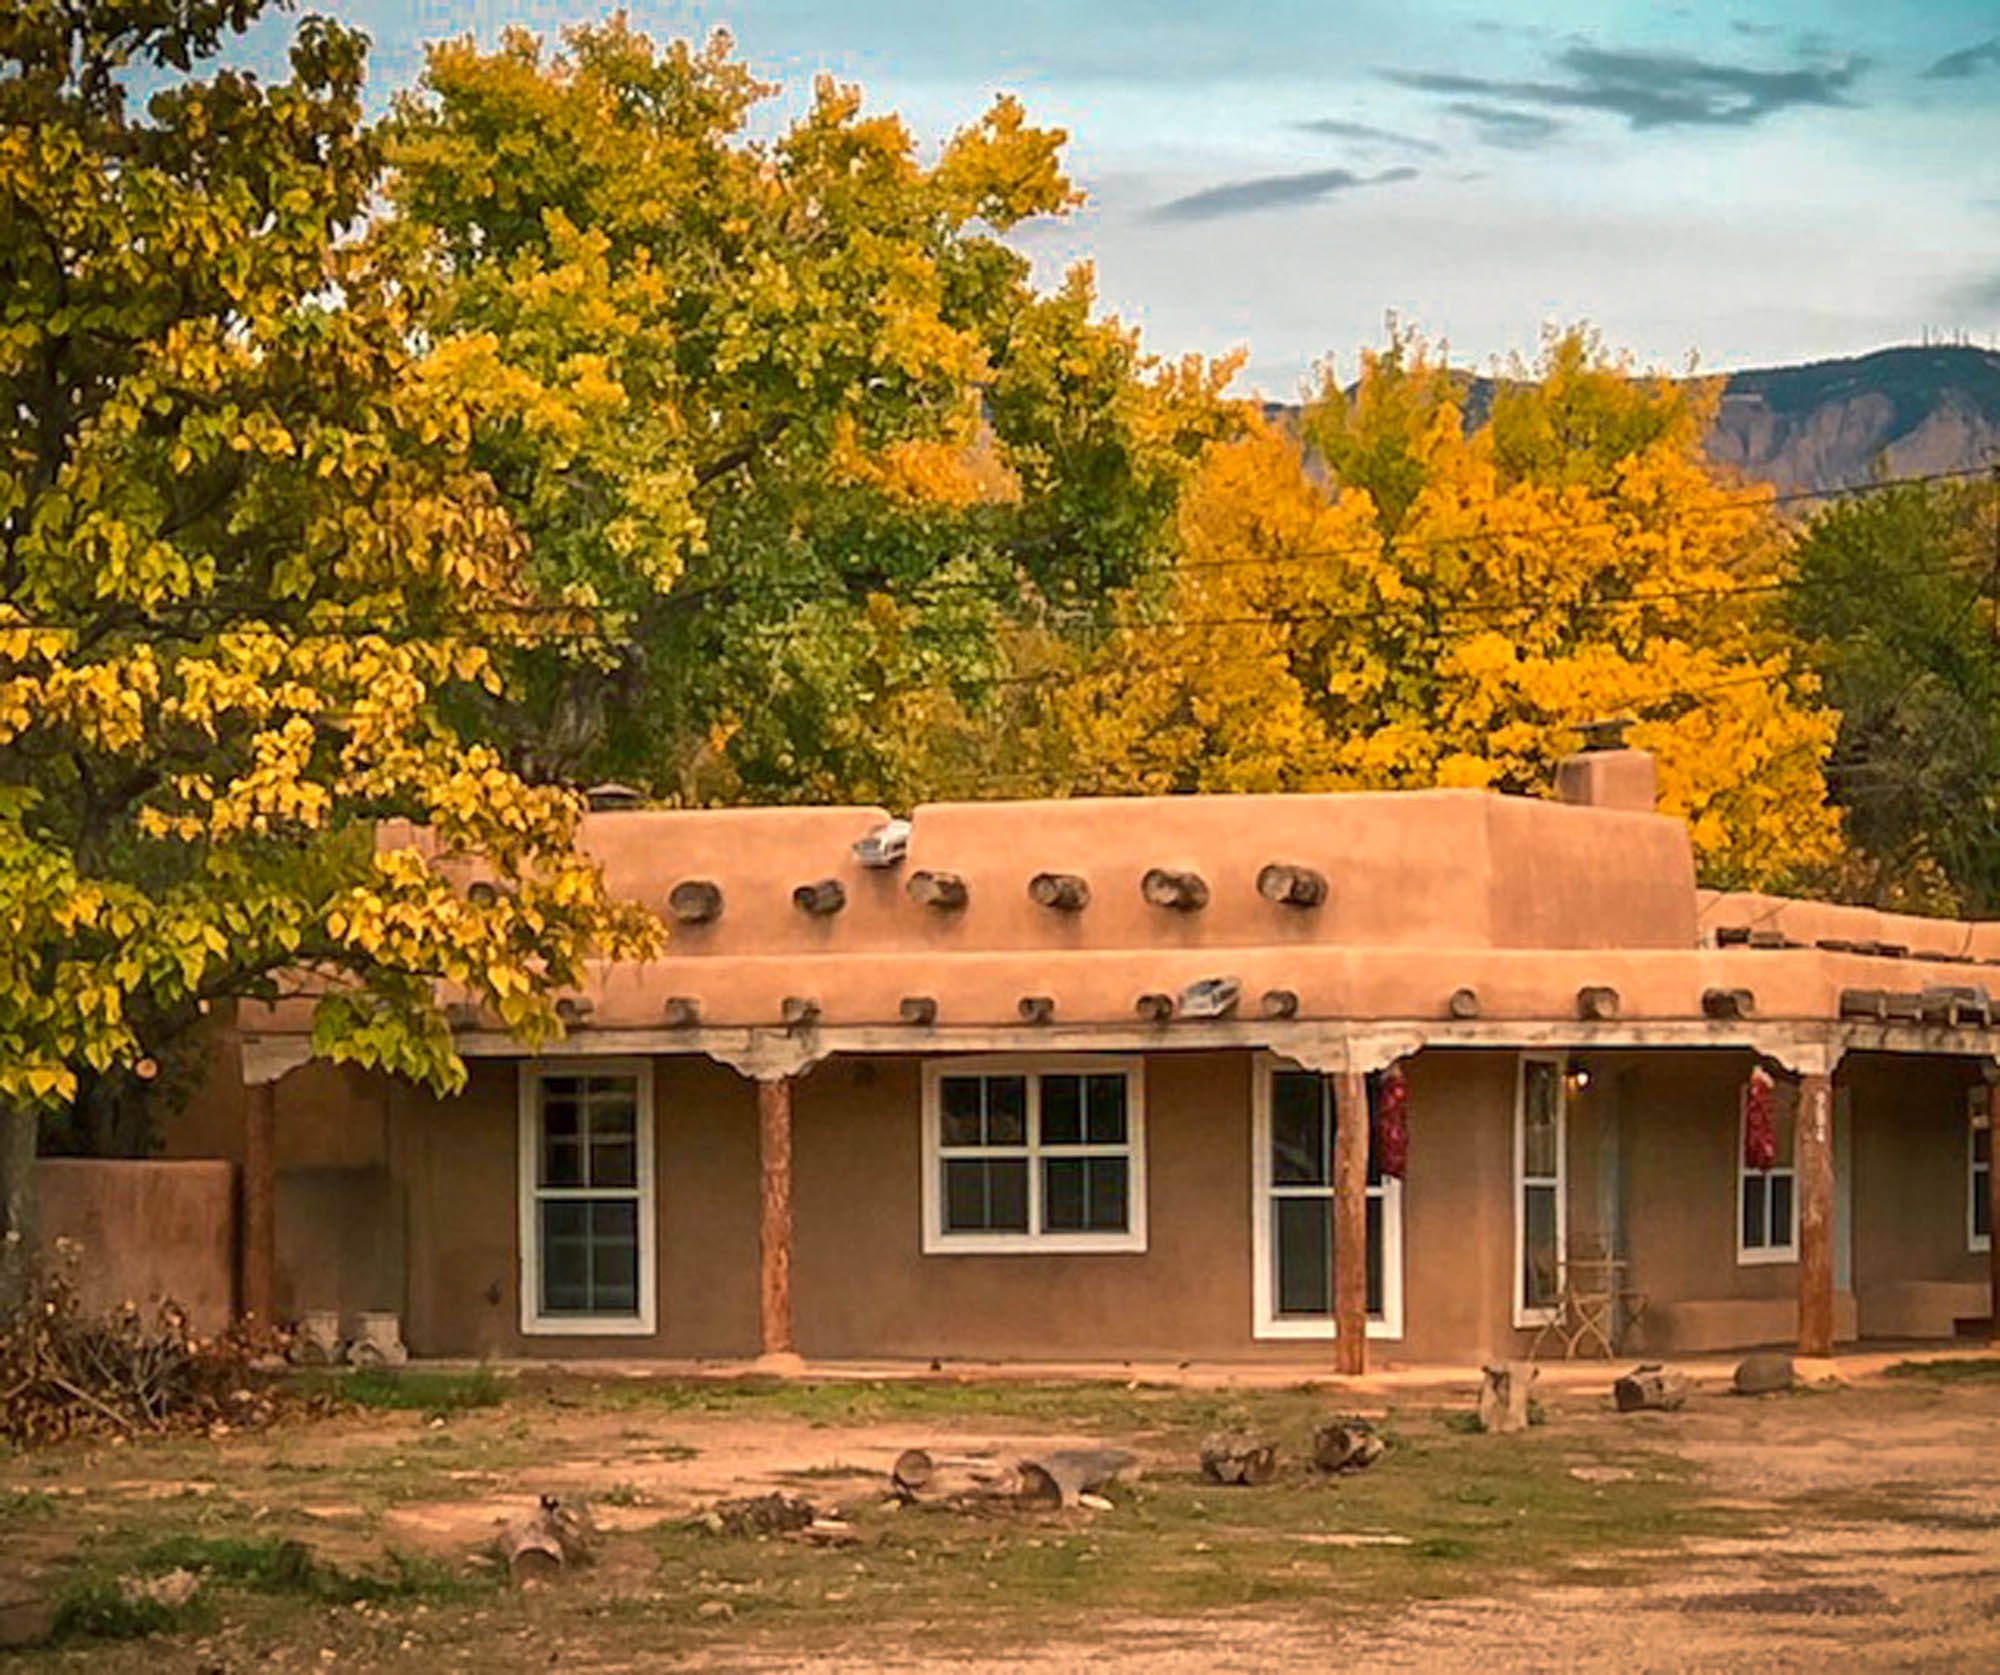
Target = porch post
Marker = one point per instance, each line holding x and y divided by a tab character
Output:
1815	1178
774	1160
1350	1223
1993	1200
258	1280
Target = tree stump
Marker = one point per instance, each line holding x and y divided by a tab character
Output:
1503	1398
1342	1445
1238	1457
555	1536
1650	1387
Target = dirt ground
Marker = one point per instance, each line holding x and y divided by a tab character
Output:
1858	1526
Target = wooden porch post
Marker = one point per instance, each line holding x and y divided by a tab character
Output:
1350	1223
1993	1200
1815	1179
774	1159
258	1280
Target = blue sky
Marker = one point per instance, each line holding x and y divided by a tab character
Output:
1746	184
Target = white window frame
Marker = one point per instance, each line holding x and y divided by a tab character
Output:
534	1323
1977	1119
1265	1321
1518	1289
938	1242
1768	1255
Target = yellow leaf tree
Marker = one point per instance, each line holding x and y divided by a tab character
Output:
248	572
1403	599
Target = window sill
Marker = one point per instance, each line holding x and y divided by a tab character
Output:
1978	1246
1776	1257
577	1326
1034	1244
1321	1331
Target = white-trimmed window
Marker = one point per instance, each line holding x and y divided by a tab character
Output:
1541	1210
1978	1167
1294	1127
587	1209
1767	1199
1025	1155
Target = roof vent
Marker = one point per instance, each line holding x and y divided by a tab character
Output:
1607	773
609	796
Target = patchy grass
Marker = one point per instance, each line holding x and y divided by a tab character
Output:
404	1389
1957	1370
97	1608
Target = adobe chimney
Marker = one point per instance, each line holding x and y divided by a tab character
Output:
1605	773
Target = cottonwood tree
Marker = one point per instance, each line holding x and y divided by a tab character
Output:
1401	599
247	569
785	409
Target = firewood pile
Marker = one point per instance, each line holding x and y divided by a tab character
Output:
66	1373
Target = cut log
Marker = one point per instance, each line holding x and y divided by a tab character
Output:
753	1515
695	901
984	1485
944	891
575	1010
1653	1387
1183	892
1346	1445
912	1473
1238	1457
1727	1003
1464	1003
826	896
556	1535
1291	886
1766	1371
917	1009
1280	1003
798	1011
1503	1397
1154	1008
1037	1009
680	1011
1064	892
1597	1002
831	1532
1077	1472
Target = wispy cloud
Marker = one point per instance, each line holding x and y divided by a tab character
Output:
1655	89
1505	127
1276	191
1967	62
1368	134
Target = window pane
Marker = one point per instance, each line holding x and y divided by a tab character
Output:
614	1163
1304	1255
1006	1110
562	1163
1062	1110
560	1111
1110	1194
565	1258
1540	1265
959	1103
986	1195
1540	1103
614	1257
1375	1273
1781	1209
1982	1146
614	1108
1298	1130
1107	1110
1982	1206
1063	1194
1753	1212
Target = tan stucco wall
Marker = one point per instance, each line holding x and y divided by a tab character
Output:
150	1230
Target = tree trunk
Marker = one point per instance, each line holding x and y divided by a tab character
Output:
19	1224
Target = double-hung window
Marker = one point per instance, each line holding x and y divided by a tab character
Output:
1034	1155
1540	1176
1978	1171
587	1198
1295	1130
1766	1208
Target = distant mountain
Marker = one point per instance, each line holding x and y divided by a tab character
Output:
1836	424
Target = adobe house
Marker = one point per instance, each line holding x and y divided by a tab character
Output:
1304	1079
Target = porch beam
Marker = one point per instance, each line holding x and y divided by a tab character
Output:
1992	1203
1350	1223
774	1224
257	1280
1815	1181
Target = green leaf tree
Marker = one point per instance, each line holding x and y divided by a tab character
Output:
248	569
